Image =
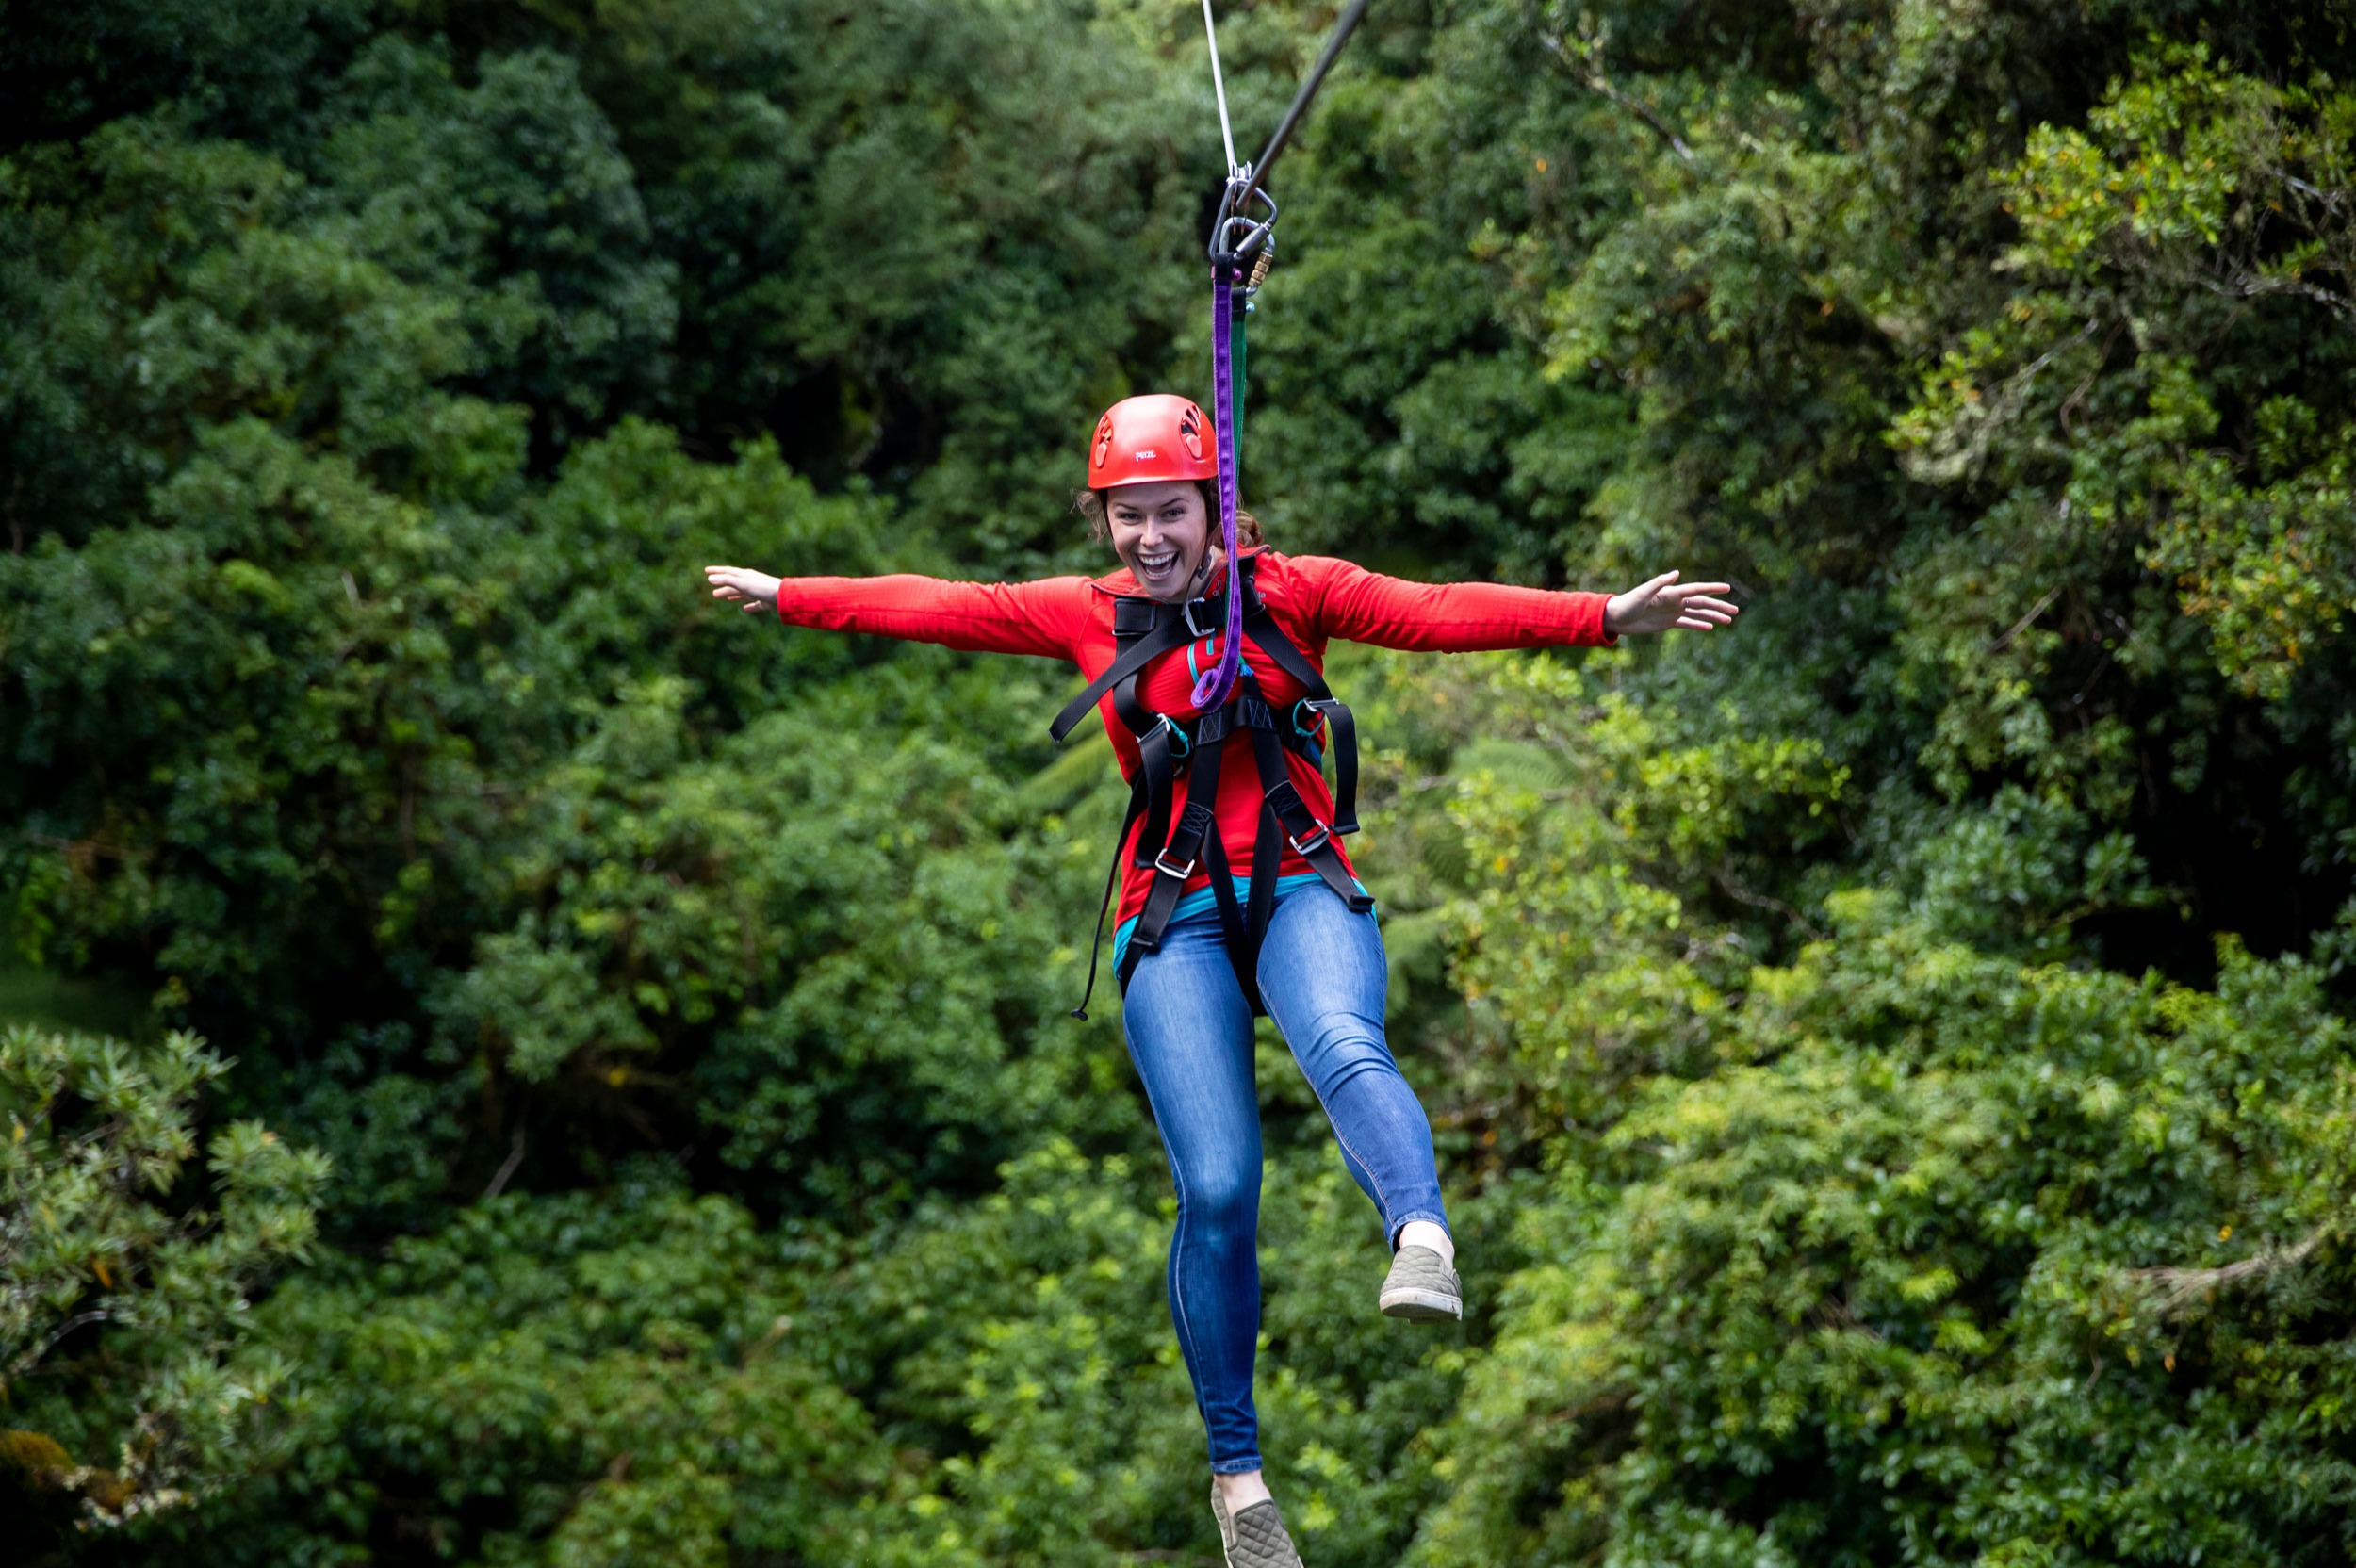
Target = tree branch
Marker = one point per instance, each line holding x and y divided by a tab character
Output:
30	1358
2023	624
507	1166
1740	894
2177	1287
1584	63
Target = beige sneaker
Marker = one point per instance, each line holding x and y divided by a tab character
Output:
1254	1538
1421	1288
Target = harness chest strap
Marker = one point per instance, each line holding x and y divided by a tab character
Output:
1144	629
1165	637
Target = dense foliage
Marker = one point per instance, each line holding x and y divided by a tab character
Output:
1889	1062
98	1133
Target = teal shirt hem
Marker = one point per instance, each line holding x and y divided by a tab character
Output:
1204	899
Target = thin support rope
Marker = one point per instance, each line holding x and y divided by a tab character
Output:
1218	87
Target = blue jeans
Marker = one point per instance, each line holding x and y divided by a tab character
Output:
1323	977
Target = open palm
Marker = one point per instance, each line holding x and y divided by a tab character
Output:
1664	603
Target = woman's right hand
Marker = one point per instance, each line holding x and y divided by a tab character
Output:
755	591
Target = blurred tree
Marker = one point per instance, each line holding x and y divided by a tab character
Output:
1849	1028
121	1317
1962	1261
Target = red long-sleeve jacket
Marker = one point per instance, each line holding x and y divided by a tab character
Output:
1313	598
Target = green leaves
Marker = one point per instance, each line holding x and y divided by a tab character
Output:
2198	214
1875	1142
94	1241
1971	1252
2159	166
2272	568
580	1380
511	198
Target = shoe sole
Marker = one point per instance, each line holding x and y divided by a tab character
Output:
1422	1306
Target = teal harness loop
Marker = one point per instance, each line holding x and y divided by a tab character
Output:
1167	747
1194	667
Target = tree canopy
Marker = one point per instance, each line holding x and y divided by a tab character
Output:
1890	1063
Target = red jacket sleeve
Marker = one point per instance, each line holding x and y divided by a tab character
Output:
1348	601
1046	617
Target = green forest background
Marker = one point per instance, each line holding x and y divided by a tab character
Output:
1890	1062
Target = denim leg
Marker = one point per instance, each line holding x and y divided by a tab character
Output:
1324	978
1189	1033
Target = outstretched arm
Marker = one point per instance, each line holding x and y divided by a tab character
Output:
1350	602
1478	616
1046	617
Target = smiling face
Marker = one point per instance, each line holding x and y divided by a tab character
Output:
1162	532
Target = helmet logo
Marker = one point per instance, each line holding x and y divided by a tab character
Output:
1146	452
1190	430
1104	441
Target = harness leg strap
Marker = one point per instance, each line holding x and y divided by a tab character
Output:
1242	939
1174	868
1192	843
1313	840
1267	850
1345	732
1158	776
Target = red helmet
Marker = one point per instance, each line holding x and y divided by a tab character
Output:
1158	436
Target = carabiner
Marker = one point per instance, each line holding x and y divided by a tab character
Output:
1236	236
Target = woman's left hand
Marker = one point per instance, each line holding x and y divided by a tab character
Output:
755	592
1664	603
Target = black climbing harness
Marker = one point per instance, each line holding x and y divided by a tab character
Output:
1143	631
1228	697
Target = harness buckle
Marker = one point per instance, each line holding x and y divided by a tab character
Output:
1186	613
1178	734
1317	840
1161	864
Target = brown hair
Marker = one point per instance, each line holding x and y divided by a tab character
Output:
1089	504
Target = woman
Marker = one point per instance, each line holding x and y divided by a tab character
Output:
1201	946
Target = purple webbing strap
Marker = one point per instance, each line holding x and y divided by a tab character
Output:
1219	680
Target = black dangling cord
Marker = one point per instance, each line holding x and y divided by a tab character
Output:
1096	943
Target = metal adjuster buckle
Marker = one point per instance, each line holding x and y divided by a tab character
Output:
1161	864
1178	734
1186	613
1316	839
